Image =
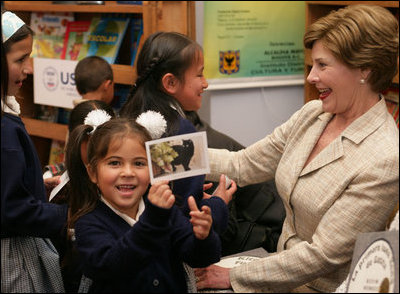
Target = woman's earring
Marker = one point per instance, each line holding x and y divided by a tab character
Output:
362	81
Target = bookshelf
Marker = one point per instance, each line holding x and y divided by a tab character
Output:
317	9
157	15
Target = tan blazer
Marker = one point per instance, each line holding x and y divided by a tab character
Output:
350	187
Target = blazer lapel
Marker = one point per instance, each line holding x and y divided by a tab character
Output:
304	147
329	154
356	132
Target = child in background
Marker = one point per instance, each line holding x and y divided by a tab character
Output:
29	261
69	259
170	80
77	117
131	238
94	79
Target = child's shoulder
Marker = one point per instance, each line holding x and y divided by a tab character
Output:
186	126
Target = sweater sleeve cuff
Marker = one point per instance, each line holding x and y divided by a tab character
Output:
156	215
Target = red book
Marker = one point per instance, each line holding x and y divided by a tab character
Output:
75	37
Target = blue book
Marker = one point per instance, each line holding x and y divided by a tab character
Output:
104	38
136	35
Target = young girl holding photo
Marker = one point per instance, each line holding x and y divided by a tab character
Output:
131	238
170	81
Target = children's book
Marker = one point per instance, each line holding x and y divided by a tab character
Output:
56	152
74	38
130	42
49	28
104	38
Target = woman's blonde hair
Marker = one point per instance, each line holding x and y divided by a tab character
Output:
361	36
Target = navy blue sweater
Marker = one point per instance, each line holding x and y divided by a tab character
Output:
24	207
144	258
193	186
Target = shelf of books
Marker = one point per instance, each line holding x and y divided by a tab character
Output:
107	7
72	30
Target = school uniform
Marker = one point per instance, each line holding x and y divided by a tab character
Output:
193	186
29	260
146	257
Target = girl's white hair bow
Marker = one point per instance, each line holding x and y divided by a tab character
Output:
96	117
154	122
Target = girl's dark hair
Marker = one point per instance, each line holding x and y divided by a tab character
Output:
162	53
83	194
80	111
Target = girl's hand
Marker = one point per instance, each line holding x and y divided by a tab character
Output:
205	188
200	220
160	194
222	192
50	184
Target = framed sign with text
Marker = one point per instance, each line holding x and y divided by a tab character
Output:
253	41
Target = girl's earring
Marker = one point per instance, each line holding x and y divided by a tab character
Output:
362	81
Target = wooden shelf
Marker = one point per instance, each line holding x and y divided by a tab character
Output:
124	74
45	129
108	7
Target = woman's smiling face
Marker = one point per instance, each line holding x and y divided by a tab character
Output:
337	83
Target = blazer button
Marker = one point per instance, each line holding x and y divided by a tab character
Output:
156	282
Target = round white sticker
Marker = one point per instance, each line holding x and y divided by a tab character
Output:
374	271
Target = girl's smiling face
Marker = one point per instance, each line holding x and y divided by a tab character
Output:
191	89
19	64
123	175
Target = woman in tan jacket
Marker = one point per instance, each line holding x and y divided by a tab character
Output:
335	161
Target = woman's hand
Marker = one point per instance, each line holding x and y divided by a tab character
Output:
200	220
213	276
160	194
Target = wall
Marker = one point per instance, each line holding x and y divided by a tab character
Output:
247	115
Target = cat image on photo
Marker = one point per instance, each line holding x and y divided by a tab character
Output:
185	154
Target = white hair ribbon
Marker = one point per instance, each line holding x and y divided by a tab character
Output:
96	117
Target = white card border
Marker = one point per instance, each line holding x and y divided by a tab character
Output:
184	174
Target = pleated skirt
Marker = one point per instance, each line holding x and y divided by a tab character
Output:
30	265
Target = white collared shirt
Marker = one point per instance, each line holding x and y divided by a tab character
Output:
127	218
12	106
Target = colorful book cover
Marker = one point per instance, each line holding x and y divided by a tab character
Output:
56	152
74	38
130	42
49	28
104	38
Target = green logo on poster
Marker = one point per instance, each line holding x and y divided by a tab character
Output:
229	61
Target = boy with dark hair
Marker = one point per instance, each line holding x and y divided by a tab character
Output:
94	79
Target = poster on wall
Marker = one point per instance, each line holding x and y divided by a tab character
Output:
253	43
54	82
